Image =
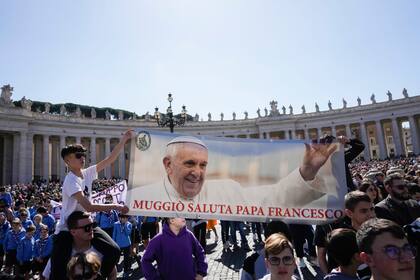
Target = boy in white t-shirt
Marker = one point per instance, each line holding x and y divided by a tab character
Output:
77	190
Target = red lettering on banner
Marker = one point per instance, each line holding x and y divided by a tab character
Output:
228	210
249	210
137	204
305	213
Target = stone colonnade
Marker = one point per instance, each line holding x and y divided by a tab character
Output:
27	156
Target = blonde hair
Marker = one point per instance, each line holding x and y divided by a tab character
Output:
38	216
276	243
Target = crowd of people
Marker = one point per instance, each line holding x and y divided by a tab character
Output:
377	238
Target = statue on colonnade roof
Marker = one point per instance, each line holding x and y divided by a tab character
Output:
6	95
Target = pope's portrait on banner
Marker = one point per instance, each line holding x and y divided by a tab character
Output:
186	160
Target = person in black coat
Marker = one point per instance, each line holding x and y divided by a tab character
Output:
397	207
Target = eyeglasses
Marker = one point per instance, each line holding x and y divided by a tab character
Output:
400	187
84	276
394	252
88	227
80	155
286	260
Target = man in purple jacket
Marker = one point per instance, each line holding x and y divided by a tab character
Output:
173	250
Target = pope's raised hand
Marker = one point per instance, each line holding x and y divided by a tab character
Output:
315	157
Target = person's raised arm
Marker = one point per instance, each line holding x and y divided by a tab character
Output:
88	206
115	152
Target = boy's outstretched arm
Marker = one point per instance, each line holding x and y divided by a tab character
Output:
115	152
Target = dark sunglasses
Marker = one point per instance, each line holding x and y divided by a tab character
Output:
84	276
286	260
394	252
80	155
400	187
88	227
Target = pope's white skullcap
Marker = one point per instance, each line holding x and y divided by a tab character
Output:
187	139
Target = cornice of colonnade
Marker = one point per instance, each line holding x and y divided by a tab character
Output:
20	119
370	112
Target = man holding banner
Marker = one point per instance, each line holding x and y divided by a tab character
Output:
185	190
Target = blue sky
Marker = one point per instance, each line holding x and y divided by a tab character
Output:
214	56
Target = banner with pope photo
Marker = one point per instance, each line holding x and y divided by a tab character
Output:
235	179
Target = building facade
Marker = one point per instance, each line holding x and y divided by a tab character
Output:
31	141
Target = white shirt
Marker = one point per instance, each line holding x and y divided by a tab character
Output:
47	270
71	185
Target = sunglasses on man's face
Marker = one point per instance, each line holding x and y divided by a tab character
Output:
286	260
88	227
80	155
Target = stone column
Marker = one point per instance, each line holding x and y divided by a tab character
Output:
121	160
333	131
307	134
22	156
286	135
319	132
107	152
29	157
414	135
55	159
396	137
380	139
7	159
78	140
62	163
363	134
92	150
348	132
46	157
15	176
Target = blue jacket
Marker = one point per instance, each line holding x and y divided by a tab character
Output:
7	197
136	221
25	249
43	247
150	219
12	239
121	234
4	228
32	212
106	220
37	233
27	223
49	221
